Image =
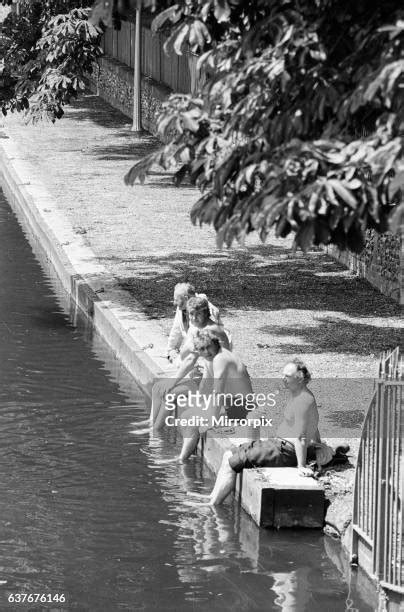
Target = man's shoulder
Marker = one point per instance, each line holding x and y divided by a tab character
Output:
305	399
223	357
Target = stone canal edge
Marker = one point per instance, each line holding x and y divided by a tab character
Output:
137	342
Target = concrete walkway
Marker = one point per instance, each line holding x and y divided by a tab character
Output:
276	303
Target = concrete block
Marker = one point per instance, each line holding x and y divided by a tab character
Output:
279	497
274	497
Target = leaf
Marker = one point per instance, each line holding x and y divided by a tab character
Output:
169	13
222	10
318	55
201	33
163	124
249	173
179	41
353	184
140	169
313	202
305	236
343	192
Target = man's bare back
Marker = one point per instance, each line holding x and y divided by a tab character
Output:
230	374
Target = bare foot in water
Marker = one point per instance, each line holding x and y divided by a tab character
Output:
140	432
198	495
164	461
143	423
199	504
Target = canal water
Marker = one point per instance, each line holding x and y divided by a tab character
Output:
87	515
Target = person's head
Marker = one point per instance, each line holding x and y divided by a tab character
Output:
198	311
206	344
182	293
296	375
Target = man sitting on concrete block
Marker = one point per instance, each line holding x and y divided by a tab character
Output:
297	440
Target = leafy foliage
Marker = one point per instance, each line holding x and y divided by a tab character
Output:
48	56
299	124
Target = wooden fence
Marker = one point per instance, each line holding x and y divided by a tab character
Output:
378	497
178	72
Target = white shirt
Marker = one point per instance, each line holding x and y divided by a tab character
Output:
178	331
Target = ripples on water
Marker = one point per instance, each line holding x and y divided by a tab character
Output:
83	512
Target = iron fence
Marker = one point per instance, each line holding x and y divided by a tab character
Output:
378	496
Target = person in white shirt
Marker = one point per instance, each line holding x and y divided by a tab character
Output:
185	378
182	293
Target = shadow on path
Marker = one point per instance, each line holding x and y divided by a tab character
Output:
91	108
334	334
262	278
270	278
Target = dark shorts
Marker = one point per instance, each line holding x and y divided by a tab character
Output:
264	453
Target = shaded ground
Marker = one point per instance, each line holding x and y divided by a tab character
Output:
276	303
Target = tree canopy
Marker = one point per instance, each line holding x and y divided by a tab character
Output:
52	46
299	123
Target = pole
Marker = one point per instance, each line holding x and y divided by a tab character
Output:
137	108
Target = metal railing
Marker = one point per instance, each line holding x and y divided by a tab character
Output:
378	497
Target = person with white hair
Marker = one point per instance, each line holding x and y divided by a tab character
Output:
185	379
182	293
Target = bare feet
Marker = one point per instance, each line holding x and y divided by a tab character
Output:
140	432
199	504
164	461
199	495
143	423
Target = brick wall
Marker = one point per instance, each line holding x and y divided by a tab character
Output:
115	85
381	262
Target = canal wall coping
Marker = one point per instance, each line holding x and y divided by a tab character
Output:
136	341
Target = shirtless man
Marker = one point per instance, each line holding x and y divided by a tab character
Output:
298	436
199	318
228	380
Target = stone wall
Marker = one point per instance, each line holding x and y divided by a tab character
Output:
381	263
113	82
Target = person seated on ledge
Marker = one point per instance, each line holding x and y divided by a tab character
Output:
296	443
228	385
199	318
182	293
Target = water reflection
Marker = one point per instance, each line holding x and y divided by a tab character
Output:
228	562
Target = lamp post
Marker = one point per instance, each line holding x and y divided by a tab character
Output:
137	76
